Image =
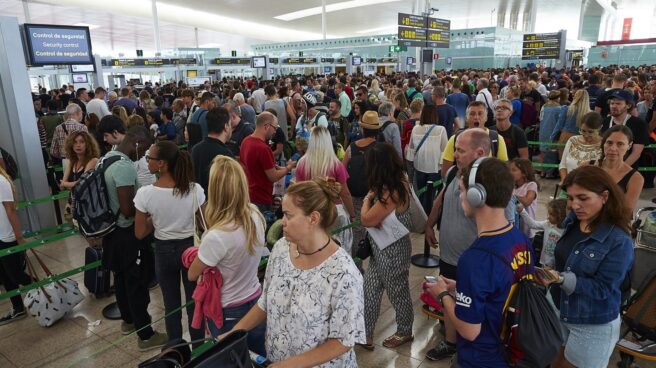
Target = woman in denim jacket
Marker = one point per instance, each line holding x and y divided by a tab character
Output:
593	257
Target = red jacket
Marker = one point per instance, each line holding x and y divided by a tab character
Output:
207	294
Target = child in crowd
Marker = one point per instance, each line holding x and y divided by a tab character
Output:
552	227
526	190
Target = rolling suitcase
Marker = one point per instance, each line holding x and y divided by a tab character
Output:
96	280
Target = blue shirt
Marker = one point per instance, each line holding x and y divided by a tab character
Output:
459	101
128	103
199	117
516	116
446	116
483	285
168	129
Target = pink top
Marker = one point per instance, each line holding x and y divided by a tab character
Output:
337	172
522	191
207	295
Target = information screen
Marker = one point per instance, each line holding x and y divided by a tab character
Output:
87	68
80	78
57	45
410	60
541	46
258	62
357	60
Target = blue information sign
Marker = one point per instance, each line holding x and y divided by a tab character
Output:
57	45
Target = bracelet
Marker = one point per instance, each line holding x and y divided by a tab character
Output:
441	296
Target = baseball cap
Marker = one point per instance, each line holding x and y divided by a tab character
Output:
310	100
622	94
370	120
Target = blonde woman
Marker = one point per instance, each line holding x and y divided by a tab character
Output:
233	243
320	161
11	266
312	301
121	113
569	121
146	102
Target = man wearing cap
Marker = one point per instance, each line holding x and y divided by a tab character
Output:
621	102
97	105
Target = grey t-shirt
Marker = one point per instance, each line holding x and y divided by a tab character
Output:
457	231
279	105
120	174
392	135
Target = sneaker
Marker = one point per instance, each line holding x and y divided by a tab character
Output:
156	341
12	316
127	328
442	351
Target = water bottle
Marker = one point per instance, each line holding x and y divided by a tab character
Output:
258	359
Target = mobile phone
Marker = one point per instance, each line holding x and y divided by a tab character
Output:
430	279
545	274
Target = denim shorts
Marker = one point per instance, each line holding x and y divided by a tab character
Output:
590	346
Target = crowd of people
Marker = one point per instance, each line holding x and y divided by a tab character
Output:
322	153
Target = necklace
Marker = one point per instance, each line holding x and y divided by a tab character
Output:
298	254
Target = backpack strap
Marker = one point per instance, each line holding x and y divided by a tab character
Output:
423	139
385	125
64	127
412	95
494	139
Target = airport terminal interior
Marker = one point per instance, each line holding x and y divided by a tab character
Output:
328	183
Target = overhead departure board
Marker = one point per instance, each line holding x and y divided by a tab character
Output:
419	31
541	46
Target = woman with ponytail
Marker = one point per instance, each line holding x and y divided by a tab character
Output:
11	266
167	208
312	300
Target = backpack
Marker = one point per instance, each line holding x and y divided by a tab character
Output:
10	164
412	95
531	331
357	170
92	210
381	137
528	116
353	133
406	136
490	113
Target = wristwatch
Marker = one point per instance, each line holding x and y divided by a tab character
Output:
442	295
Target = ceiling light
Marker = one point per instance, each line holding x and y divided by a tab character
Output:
91	26
379	29
330	8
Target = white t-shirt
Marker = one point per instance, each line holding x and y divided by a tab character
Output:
172	214
6	195
227	251
144	177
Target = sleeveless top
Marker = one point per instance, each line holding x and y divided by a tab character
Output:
75	175
625	179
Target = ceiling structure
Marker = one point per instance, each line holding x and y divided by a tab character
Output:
122	26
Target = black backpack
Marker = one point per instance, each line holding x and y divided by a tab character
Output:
10	164
381	137
91	207
357	170
531	332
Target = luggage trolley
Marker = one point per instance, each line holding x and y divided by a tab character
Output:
639	314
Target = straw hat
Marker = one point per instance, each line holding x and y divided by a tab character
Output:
370	120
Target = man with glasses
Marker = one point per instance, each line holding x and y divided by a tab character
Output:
259	163
513	135
621	103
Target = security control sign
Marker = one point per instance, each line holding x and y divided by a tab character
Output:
411	20
412	36
541	46
57	45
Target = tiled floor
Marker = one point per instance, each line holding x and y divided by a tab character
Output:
75	341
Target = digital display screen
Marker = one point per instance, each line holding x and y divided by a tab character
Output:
327	69
258	62
357	60
80	78
57	45
410	60
88	68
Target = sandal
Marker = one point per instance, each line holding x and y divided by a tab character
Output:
397	340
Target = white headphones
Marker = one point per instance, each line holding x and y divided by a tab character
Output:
476	194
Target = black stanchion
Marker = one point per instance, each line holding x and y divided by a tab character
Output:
425	260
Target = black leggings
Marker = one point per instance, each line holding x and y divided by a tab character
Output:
12	273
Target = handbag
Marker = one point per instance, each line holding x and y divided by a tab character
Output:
418	216
203	224
172	356
231	352
51	302
363	250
